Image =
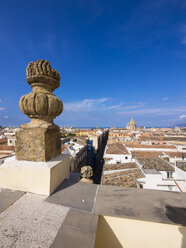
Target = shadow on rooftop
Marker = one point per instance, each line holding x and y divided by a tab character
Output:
178	216
68	182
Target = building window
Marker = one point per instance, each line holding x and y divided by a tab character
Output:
182	156
169	174
118	162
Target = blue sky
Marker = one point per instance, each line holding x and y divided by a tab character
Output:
116	59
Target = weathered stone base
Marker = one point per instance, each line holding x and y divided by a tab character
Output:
35	177
38	143
86	180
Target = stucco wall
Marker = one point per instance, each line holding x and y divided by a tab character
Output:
128	233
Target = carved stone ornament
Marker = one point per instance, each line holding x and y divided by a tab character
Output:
86	174
40	139
41	105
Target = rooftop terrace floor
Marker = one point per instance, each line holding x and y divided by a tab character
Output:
70	215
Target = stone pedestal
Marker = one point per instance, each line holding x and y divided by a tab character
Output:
38	143
35	177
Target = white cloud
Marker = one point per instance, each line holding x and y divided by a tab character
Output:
88	105
117	106
165	98
6	116
100	108
85	105
182	116
124	108
154	111
0	100
103	99
137	106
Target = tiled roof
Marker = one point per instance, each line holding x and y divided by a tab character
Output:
175	154
144	137
119	166
124	178
146	154
124	175
7	148
3	141
116	148
175	138
137	145
155	163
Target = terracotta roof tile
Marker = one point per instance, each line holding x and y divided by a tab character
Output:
137	145
146	154
155	163
176	154
119	166
116	148
124	178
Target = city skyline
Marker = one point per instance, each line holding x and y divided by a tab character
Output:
116	60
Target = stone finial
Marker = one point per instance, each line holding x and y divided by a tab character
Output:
41	105
86	174
43	68
39	140
40	72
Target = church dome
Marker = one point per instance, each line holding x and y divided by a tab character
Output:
132	123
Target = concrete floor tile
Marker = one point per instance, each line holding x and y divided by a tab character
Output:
81	220
31	220
74	194
70	238
8	197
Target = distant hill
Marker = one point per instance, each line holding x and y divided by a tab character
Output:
180	125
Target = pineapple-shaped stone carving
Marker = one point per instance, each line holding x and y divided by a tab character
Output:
40	140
